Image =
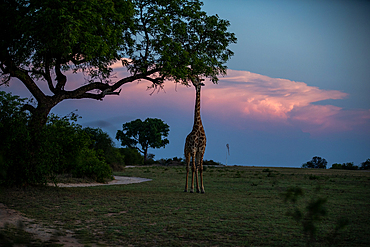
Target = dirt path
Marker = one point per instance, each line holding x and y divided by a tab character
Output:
47	233
117	181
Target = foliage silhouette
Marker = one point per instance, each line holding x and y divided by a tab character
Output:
365	165
311	215
316	162
61	145
148	134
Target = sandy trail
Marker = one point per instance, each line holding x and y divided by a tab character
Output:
117	181
46	233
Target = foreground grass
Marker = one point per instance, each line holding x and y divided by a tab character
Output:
242	206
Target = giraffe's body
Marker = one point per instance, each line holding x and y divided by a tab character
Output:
195	145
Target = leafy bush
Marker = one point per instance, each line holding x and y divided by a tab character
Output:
336	166
90	165
15	139
101	142
132	156
62	141
67	148
311	215
115	159
56	149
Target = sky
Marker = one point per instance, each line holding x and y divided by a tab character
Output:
297	87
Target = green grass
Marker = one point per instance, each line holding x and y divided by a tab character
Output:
242	206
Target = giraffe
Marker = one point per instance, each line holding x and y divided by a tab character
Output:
195	144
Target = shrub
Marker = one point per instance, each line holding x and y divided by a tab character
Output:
311	215
56	149
101	142
132	156
15	139
90	165
211	163
336	166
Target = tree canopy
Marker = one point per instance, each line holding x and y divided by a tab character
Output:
156	40
316	162
148	134
365	165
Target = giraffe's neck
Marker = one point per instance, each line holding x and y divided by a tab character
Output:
197	118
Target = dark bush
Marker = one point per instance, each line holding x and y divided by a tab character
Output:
102	143
211	163
336	166
90	165
15	140
344	166
132	156
59	147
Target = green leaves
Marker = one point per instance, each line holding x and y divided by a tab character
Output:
180	40
71	33
164	39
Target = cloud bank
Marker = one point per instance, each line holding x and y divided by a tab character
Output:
252	97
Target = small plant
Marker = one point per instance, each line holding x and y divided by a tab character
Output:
313	177
270	174
311	214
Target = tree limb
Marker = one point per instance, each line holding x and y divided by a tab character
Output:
61	78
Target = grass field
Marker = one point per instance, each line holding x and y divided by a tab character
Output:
242	206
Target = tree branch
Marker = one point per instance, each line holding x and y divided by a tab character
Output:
62	79
24	77
47	75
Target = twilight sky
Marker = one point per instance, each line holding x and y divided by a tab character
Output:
297	87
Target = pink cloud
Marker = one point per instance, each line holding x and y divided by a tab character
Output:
244	95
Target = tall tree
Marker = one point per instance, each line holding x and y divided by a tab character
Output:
148	134
156	40
316	162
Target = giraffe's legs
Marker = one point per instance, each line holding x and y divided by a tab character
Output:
196	171
196	179
201	172
193	170
201	180
187	171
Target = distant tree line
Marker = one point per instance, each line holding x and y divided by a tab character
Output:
318	162
350	166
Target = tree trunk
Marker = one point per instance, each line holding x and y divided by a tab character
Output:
37	123
145	154
39	118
